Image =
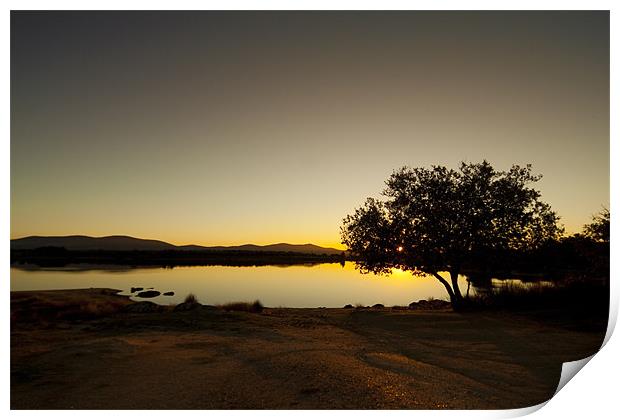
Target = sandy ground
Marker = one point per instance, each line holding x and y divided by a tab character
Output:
279	359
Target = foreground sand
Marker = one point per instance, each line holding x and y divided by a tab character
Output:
282	358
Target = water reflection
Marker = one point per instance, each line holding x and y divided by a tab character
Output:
330	284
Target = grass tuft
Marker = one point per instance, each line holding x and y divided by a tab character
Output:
254	307
191	298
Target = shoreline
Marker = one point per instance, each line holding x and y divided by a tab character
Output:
282	358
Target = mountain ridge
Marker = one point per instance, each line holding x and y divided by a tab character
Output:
129	243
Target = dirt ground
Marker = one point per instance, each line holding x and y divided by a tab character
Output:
65	355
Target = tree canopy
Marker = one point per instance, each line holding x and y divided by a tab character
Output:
435	220
599	229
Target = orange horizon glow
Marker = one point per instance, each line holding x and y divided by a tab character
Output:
232	240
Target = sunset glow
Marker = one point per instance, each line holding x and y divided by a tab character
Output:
225	128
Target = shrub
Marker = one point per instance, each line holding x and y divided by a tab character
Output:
254	307
575	297
191	298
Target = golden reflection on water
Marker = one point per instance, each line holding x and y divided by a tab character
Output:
330	285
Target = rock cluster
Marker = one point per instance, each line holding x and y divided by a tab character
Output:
430	304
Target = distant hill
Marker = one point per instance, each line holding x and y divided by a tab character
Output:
83	243
281	247
128	243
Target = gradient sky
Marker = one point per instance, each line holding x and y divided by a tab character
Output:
227	128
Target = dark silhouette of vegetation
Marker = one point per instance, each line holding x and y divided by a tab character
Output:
583	256
254	307
191	298
599	229
60	257
575	256
440	220
580	303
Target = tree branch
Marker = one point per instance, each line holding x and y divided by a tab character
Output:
446	285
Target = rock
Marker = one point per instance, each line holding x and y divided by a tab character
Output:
142	307
148	294
169	294
430	304
378	305
439	304
136	289
187	306
349	306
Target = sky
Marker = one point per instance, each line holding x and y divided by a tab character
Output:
225	128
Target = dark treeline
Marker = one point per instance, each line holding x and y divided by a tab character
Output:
60	257
575	257
578	268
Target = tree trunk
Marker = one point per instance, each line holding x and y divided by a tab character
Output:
443	281
454	276
458	302
456	298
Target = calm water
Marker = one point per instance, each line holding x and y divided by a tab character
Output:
330	285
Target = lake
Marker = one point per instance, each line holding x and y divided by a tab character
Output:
298	286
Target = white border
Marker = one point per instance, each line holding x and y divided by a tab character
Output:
592	394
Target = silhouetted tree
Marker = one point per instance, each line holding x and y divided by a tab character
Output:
598	230
435	220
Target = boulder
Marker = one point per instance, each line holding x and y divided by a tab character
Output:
169	294
148	294
187	306
439	304
136	289
430	304
349	306
142	307
378	305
